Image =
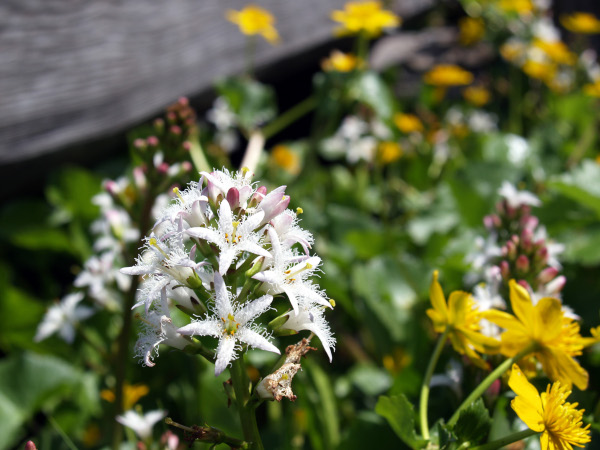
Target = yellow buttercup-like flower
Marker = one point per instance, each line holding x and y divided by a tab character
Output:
388	152
516	6
285	158
471	30
544	71
131	394
408	123
462	319
555	338
476	95
447	75
364	17
341	62
581	23
254	20
549	413
557	51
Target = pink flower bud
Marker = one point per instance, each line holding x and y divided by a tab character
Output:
187	146
140	144
522	264
30	446
511	250
159	125
556	285
525	284
547	275
171	117
186	166
542	255
233	198
163	168
494	389
505	269
175	130
152	141
529	222
258	196
183	101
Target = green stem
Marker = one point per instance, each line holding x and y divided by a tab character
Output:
425	388
487	382
69	443
515	98
197	154
289	117
499	443
241	387
209	434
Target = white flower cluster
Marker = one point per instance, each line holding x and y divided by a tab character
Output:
220	252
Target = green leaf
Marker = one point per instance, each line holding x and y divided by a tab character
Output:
399	413
580	245
369	88
371	380
582	185
473	423
71	193
253	102
30	382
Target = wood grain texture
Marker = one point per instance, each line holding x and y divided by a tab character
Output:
74	70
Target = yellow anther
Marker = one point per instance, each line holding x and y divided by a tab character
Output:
176	191
245	170
299	210
152	241
332	302
308	266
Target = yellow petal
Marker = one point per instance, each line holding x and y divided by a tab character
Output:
560	366
545	442
459	305
528	414
525	390
521	302
514	342
482	343
436	295
503	320
547	319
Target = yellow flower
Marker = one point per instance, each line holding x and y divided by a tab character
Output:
367	17
516	6
540	70
549	413
556	337
408	123
446	75
593	89
131	394
513	50
476	95
462	318
581	22
254	20
388	152
341	62
557	51
471	30
285	158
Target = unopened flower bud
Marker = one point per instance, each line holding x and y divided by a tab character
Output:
187	146
547	275
555	286
233	197
258	196
175	130
522	264
529	222
511	250
505	269
139	178
140	144
183	101
542	255
30	446
163	168
159	126
152	141
171	117
186	166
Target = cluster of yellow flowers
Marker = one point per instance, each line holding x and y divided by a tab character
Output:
542	332
357	17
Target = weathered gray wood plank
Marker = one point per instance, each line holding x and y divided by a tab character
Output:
75	70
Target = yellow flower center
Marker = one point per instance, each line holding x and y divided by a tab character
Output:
230	325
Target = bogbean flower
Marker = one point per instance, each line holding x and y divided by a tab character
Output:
232	325
63	317
219	253
141	424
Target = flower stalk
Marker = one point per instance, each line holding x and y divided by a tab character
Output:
487	382
242	387
506	440
424	399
